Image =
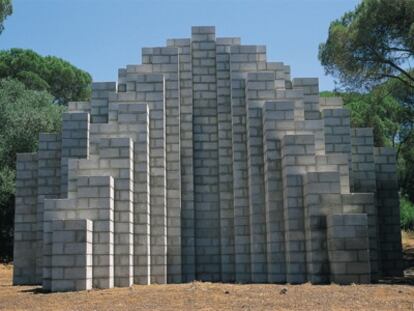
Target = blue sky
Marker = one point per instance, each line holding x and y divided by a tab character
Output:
101	36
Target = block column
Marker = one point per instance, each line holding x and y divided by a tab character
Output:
348	248
337	130
151	89
75	143
298	154
278	118
54	209
240	182
99	101
72	255
363	165
48	187
136	119
310	87
260	87
205	143
322	196
338	162
388	211
363	180
165	60
225	152
115	159
186	155
258	229
95	200
118	153
243	59
25	225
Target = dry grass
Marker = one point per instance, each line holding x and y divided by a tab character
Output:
213	296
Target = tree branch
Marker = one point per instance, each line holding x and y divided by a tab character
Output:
383	60
398	78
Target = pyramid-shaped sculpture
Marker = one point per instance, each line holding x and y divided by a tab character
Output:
206	162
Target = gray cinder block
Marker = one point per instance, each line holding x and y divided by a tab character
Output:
347	242
25	220
388	219
206	162
321	198
72	243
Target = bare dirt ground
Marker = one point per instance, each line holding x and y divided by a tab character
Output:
396	294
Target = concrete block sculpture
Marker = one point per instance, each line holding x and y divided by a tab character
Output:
206	162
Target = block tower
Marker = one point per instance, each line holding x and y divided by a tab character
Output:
206	162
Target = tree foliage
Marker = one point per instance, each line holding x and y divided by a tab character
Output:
54	75
406	214
6	9
406	168
371	44
24	113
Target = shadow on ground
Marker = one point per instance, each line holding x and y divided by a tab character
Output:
408	259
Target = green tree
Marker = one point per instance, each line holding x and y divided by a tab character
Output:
24	114
6	9
371	44
54	75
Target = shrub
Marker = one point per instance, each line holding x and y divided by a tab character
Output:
406	214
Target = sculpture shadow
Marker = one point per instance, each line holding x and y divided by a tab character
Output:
36	290
408	262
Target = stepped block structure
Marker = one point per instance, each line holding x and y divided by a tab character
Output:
206	162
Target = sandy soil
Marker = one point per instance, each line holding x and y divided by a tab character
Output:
397	294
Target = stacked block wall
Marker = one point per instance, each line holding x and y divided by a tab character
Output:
49	171
116	157
298	155
388	216
99	103
96	195
225	152
186	157
322	197
243	59
207	162
25	225
205	139
348	248
72	255
165	60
